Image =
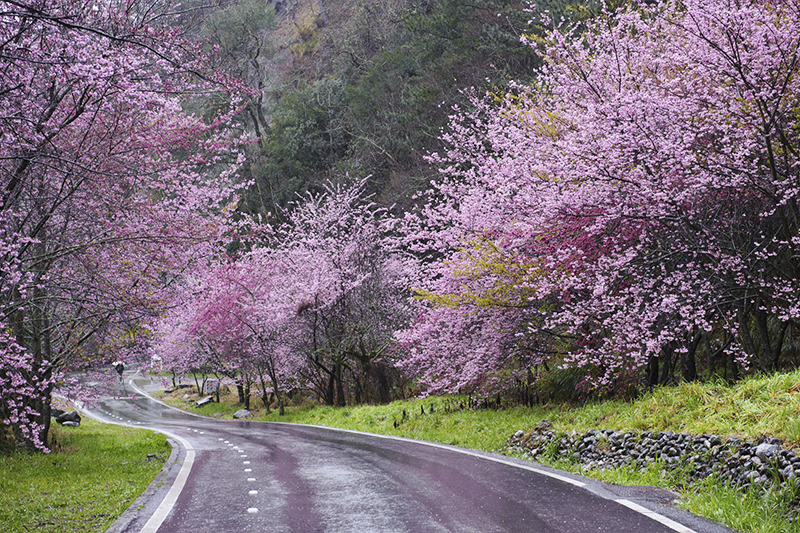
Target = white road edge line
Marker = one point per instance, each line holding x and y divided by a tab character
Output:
165	404
680	528
553	475
655	516
171	498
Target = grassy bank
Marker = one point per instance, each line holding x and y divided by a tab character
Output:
93	474
432	419
749	409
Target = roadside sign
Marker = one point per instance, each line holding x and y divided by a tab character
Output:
210	386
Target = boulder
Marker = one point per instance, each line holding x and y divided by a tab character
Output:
69	423
68	417
766	451
55	413
242	413
204	401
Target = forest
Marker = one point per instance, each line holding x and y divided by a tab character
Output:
358	201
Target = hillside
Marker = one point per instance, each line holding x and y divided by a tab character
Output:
359	88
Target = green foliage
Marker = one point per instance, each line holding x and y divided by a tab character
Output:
551	448
371	90
94	474
306	133
239	29
559	386
362	88
400	97
306	141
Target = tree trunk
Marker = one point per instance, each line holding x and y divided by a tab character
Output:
329	395
652	372
770	352
280	404
25	442
688	362
734	368
744	330
276	390
340	399
668	367
35	340
264	395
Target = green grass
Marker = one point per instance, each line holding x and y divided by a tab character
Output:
749	409
479	429
93	474
748	511
754	407
757	406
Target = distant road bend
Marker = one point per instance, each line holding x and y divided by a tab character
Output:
245	476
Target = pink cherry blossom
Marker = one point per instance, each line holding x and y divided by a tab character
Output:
637	204
109	189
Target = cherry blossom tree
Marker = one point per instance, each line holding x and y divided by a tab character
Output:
233	318
349	263
637	204
108	187
310	303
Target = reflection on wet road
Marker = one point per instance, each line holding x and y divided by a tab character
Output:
235	476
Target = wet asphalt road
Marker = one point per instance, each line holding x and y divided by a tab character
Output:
240	476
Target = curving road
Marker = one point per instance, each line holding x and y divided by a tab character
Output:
239	476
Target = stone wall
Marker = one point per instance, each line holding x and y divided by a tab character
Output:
760	463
